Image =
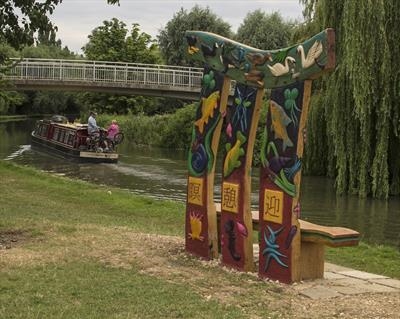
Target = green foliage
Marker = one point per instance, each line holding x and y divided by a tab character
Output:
46	51
361	98
178	131
9	101
114	42
265	31
45	101
21	19
171	38
167	131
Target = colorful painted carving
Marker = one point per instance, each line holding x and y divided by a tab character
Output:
201	234
271	252
263	68
288	72
232	158
196	226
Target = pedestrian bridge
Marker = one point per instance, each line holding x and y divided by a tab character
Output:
106	77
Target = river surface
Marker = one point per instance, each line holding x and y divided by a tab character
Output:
162	174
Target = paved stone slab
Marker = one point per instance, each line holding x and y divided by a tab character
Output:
353	286
320	292
332	275
335	268
387	282
361	274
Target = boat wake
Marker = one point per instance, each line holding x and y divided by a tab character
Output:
18	152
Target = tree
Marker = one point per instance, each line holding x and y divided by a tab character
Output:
360	100
113	42
171	38
20	20
18	30
265	31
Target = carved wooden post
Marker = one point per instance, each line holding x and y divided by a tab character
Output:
281	157
253	70
236	219
281	154
201	223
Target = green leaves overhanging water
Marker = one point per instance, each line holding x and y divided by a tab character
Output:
359	103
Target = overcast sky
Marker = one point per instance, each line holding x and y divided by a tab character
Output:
77	18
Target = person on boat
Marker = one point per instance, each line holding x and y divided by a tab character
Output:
94	139
92	124
112	130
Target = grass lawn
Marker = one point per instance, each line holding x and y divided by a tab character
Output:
71	249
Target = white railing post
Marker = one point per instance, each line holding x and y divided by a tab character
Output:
126	73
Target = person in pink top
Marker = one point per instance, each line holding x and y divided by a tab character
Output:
112	130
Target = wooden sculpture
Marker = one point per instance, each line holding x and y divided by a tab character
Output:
288	72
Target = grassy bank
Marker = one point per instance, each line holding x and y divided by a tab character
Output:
70	249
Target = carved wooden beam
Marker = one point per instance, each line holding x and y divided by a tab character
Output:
264	68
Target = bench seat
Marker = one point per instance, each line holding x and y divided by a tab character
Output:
314	238
328	235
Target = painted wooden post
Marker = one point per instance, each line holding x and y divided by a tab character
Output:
286	71
281	154
236	219
201	223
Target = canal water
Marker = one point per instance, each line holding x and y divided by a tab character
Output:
162	174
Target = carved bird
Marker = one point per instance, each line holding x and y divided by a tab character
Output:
258	58
209	51
255	76
279	69
312	55
192	40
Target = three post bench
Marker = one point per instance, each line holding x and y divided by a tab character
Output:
314	238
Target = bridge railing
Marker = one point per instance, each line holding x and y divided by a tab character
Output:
105	72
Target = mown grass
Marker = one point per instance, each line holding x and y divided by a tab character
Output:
91	290
90	251
29	197
76	259
378	259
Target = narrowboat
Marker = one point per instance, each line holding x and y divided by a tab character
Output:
72	140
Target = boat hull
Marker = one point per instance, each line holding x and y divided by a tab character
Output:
69	152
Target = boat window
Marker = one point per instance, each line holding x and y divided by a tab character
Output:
38	128
43	130
61	136
70	138
56	133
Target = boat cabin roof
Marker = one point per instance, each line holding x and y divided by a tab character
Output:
75	126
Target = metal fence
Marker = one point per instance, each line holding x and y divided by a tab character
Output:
105	72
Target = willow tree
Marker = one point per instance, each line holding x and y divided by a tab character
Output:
356	115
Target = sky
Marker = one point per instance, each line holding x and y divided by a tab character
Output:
77	18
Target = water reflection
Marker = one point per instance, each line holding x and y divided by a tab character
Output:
162	173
